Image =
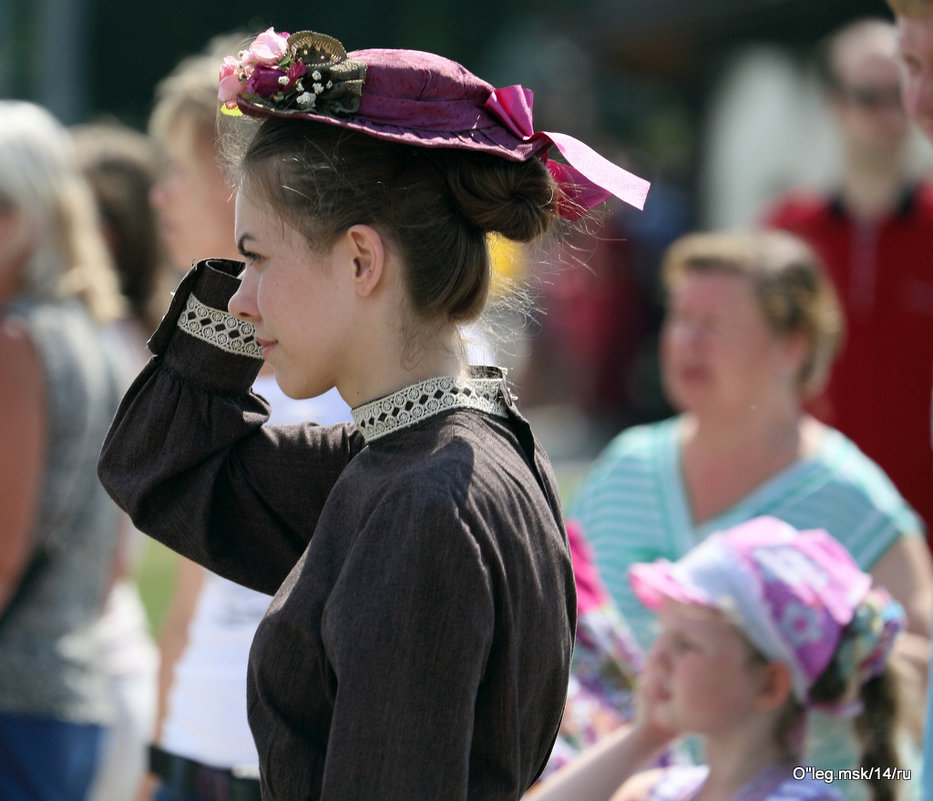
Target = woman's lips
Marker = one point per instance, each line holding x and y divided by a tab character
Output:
265	344
692	374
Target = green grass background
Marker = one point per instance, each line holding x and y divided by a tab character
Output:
155	576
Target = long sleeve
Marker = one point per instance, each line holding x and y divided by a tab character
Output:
188	456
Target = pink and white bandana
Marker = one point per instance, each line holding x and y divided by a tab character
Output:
790	592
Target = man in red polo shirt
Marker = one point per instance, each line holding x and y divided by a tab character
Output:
875	234
915	47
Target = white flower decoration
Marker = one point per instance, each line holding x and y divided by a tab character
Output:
318	88
306	99
800	624
316	75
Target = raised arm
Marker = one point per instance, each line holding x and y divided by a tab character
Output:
188	456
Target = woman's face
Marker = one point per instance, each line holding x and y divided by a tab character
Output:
718	353
700	673
915	38
299	300
194	201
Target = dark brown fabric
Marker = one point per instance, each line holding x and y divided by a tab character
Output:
418	644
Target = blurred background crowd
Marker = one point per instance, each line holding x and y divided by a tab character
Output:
740	114
721	105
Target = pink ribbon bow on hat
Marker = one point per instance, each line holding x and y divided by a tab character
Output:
588	178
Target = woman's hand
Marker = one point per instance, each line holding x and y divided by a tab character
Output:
646	725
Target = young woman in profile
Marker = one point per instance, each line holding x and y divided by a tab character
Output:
418	644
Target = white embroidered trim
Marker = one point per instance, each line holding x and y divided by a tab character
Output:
420	401
219	328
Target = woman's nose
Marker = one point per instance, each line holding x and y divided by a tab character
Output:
657	653
243	303
685	333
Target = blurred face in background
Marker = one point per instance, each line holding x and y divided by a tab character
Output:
867	97
700	673
719	356
194	202
915	39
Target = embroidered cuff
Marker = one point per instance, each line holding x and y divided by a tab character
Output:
219	328
219	350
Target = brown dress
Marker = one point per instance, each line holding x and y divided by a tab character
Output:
419	641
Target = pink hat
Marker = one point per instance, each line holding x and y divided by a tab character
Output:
790	592
416	98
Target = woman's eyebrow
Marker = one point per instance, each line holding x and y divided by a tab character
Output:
240	242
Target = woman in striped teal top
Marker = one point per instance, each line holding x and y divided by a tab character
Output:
751	330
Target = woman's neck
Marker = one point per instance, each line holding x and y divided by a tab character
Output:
756	433
386	369
724	461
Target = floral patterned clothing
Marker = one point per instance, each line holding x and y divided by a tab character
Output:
606	661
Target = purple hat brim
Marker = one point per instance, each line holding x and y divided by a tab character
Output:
424	100
493	140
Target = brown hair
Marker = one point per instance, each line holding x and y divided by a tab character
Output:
794	292
121	165
434	205
876	725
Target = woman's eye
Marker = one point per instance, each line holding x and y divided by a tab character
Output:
682	644
912	65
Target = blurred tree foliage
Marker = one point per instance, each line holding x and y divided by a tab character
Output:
109	54
127	46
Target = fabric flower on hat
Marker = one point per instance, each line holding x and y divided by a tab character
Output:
264	81
285	74
268	49
232	82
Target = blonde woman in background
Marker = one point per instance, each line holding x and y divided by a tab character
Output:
121	165
59	528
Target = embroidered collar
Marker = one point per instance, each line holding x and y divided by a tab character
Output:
484	391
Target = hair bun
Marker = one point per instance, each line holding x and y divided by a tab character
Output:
515	199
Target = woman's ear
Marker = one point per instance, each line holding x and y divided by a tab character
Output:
797	351
776	685
367	254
